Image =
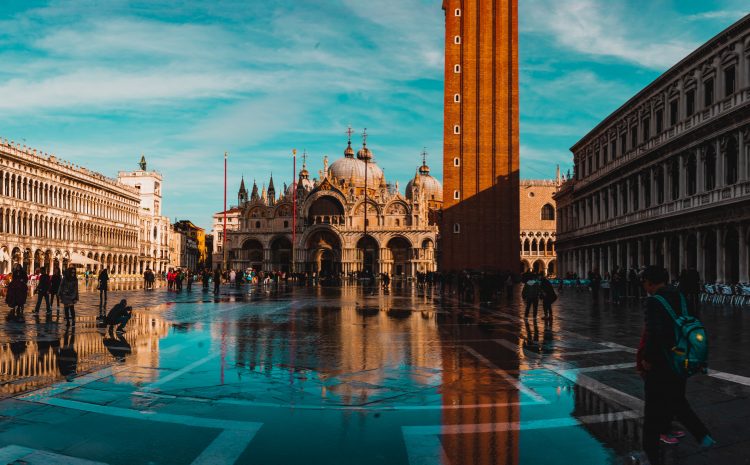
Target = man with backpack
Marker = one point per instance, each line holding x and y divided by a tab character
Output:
530	294
672	348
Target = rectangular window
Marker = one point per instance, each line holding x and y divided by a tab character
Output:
690	102
457	12
673	109
456	68
613	149
605	156
708	93
456	162
659	121
456	228
457	40
623	144
646	129
457	98
456	129
634	137
591	165
729	81
456	195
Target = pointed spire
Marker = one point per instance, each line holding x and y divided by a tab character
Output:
271	192
424	169
557	175
242	184
254	195
142	163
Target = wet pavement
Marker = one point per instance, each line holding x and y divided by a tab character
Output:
349	376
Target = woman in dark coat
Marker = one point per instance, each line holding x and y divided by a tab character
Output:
18	290
68	294
55	286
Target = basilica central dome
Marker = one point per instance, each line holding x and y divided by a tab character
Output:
352	170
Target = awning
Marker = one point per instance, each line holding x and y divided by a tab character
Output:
4	257
79	259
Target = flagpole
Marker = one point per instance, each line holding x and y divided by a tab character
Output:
225	211
294	205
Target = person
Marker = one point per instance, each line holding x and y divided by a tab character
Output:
119	316
68	293
530	295
42	290
178	277
17	291
217	279
103	287
189	278
664	389
595	280
206	277
606	284
54	285
509	286
67	357
548	295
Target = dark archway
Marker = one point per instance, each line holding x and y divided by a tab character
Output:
326	210
367	254
281	254
400	248
732	256
709	257
325	253
252	254
691	252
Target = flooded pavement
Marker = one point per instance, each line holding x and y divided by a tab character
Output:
348	376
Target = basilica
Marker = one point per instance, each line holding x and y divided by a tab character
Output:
347	220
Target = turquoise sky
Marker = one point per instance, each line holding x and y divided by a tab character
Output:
100	82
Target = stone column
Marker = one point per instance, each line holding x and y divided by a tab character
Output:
700	160
720	164
652	251
681	252
743	254
720	254
700	262
628	255
619	252
667	255
741	158
682	172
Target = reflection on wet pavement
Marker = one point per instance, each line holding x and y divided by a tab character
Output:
339	376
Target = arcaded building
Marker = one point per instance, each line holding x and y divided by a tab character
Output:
538	226
665	179
480	220
54	214
348	220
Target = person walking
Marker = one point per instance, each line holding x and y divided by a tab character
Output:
68	293
530	295
217	279
42	290
547	291
103	287
664	388
54	286
595	281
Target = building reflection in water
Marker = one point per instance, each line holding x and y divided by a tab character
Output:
469	381
44	351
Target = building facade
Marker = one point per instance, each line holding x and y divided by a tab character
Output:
538	226
665	179
155	229
217	230
349	220
191	245
54	214
480	218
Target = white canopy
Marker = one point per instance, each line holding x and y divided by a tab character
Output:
4	257
79	259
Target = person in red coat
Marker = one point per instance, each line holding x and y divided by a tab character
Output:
18	290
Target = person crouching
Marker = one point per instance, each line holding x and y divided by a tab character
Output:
119	316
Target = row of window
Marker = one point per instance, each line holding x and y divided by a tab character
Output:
641	133
22	188
27	224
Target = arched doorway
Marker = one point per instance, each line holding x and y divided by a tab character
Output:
552	268
538	267
251	254
691	252
324	249
732	256
709	257
400	248
367	254
281	254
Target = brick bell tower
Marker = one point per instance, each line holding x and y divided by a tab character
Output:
480	222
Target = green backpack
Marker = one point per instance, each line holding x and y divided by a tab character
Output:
690	352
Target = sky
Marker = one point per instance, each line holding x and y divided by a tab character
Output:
100	82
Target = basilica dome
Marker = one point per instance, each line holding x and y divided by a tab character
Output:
350	169
432	188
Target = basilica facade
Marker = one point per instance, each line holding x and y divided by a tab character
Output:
348	220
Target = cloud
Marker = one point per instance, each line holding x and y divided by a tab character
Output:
605	30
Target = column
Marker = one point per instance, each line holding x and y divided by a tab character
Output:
681	252
720	164
720	255
700	160
700	262
743	254
652	251
618	248
628	255
741	159
601	265
682	172
667	256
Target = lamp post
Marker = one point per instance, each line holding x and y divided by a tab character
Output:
364	148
